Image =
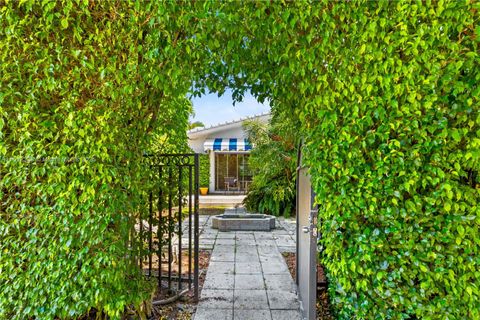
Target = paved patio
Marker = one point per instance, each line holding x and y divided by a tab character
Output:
247	277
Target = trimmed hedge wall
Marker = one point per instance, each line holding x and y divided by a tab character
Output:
388	99
204	160
393	142
84	91
386	93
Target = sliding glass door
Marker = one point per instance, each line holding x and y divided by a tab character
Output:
232	172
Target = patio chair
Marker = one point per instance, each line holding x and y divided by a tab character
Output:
231	184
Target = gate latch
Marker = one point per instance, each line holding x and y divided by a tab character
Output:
312	220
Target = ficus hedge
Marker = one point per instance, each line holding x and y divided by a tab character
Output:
386	94
388	100
204	175
85	87
393	142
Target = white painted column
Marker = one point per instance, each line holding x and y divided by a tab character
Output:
211	187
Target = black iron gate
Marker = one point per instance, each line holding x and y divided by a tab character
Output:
168	230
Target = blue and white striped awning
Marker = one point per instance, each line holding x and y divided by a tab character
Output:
227	144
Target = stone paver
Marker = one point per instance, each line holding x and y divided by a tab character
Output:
220	255
285	237
249	282
217	267
219	281
217	314
279	282
247	278
279	299
225	242
248	267
285	315
217	299
226	235
274	267
251	315
250	299
246	257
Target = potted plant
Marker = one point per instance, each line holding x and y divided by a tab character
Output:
203	190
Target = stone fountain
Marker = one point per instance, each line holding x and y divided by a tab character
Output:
238	219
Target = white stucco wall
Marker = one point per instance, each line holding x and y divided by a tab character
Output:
196	145
196	139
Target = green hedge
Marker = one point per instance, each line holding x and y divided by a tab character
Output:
393	142
388	99
204	170
84	89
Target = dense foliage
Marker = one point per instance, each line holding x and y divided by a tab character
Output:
85	86
204	169
388	99
273	162
394	150
171	136
204	159
386	94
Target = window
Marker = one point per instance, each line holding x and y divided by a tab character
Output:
232	172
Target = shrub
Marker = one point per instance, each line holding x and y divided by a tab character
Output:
387	98
273	163
204	178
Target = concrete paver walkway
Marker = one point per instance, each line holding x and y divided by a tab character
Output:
247	278
284	234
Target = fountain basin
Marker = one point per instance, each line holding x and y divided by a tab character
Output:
243	222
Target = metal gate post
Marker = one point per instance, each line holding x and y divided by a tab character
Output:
306	256
196	226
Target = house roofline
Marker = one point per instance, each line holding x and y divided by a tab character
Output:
225	124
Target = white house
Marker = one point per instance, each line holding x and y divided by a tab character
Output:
228	149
